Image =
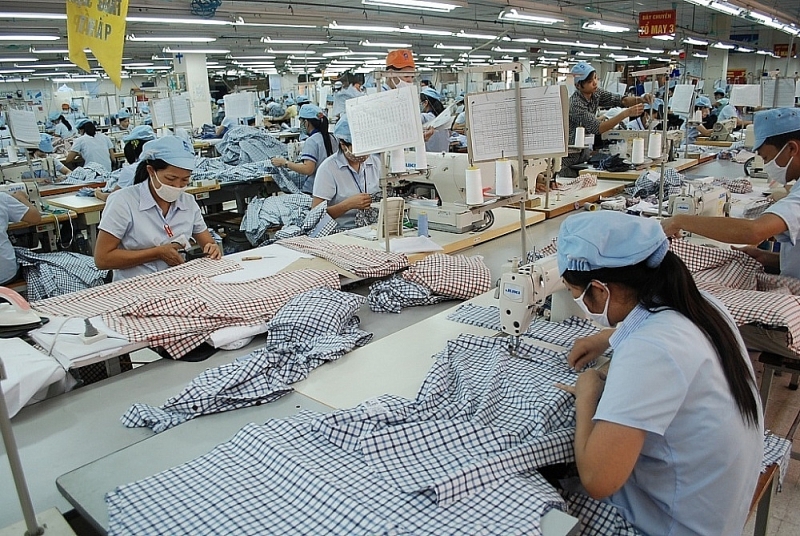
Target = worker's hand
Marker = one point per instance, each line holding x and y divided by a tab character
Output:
587	349
635	111
279	161
589	386
672	226
21	196
359	201
760	255
169	254
427	133
100	194
212	251
648	98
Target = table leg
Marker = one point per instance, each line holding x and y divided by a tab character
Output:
762	513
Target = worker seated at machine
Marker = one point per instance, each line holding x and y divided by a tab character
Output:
45	165
15	207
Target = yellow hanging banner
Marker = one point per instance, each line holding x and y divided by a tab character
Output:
98	25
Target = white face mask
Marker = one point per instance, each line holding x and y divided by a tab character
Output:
402	83
168	193
774	171
600	319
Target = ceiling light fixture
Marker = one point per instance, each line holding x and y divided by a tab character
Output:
525	40
570	43
725	7
699	55
693	41
583	54
451	47
38	16
367	43
425	5
17	60
664	37
723	46
420	31
610	47
294	41
602	27
169	50
166	20
29	38
149	39
704	3
512	15
744	49
298	52
509	50
467	35
358	28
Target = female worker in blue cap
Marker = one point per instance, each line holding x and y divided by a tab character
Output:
583	106
134	145
61	126
695	130
123	121
45	152
430	103
777	134
319	145
346	181
92	146
673	436
144	227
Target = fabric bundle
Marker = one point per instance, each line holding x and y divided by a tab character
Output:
361	261
243	145
53	274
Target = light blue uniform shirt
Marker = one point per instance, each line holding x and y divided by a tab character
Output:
314	150
132	216
698	468
94	149
439	142
336	181
11	211
62	131
788	209
727	112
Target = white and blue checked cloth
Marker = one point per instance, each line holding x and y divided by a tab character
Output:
58	273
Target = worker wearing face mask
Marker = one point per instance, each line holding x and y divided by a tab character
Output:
777	134
144	227
399	60
436	140
346	181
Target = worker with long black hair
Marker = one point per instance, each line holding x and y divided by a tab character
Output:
319	145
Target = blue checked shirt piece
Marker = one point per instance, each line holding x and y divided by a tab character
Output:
648	184
314	327
91	172
243	145
264	213
53	274
459	459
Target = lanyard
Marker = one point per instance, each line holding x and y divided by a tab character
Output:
355	178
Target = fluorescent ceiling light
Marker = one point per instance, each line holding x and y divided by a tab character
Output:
699	55
166	20
151	68
555	52
294	41
602	27
764	52
29	38
298	52
723	46
360	28
40	16
704	3
138	64
16	71
15	79
17	60
251	57
725	7
664	37
571	43
610	47
420	31
583	54
791	29
468	35
52	65
693	41
366	43
744	49
515	16
478	56
169	50
241	22
425	5
451	47
54	50
524	40
649	50
149	39
335	54
510	50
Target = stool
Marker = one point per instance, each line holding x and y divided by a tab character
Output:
777	363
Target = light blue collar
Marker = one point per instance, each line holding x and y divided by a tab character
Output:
631	323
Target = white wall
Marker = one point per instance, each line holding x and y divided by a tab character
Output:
755	63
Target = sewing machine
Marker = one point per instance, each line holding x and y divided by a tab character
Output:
722	130
700	198
626	136
523	292
29	187
448	178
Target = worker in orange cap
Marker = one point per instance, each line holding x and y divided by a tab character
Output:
400	60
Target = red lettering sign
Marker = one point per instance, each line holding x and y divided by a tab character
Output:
783	50
652	23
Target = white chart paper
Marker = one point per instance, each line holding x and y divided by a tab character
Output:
682	99
170	112
240	105
777	92
492	132
100	106
24	128
384	121
746	95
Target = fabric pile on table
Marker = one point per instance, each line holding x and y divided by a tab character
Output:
735	186
648	184
215	169
90	172
314	327
53	274
243	145
434	279
360	261
179	309
264	213
459	459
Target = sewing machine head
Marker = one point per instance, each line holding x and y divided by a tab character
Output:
30	189
627	137
701	198
723	130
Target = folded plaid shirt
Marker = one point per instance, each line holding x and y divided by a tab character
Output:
276	211
214	168
314	327
735	186
458	459
242	145
454	276
316	220
394	294
363	262
648	184
54	274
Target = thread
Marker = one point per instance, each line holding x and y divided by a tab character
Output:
422	224
749	136
698	116
591	207
12	153
580	137
654	145
474	186
637	153
421	156
397	160
503	182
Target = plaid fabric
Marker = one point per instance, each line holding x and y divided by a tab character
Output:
314	327
214	168
363	262
776	450
95	301
453	276
648	184
458	459
739	281
276	211
598	518
735	186
584	180
312	219
243	145
394	294
756	208
91	172
54	274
